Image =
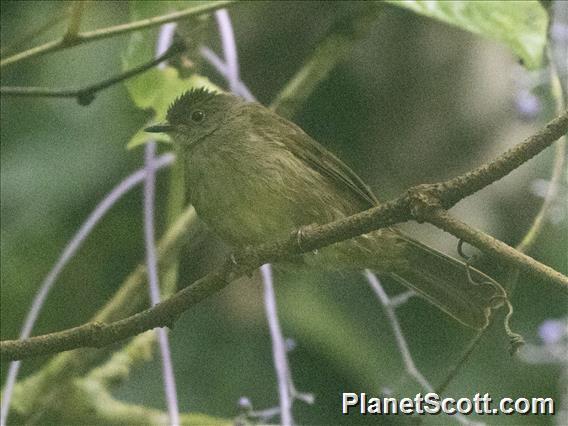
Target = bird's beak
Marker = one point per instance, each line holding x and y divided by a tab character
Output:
159	128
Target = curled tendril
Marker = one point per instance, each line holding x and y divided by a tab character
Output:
460	250
515	339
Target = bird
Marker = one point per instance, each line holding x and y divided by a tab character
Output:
254	177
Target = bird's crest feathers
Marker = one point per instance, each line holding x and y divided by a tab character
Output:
185	103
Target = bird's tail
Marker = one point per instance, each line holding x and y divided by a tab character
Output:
461	291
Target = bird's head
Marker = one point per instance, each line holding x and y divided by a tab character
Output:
195	115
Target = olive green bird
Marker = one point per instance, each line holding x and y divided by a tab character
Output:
254	177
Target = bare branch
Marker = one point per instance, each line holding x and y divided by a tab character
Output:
460	362
443	220
458	188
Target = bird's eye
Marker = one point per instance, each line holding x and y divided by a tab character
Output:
197	116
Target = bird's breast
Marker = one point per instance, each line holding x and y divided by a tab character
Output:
256	195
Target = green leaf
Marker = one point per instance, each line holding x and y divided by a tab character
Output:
157	88
521	25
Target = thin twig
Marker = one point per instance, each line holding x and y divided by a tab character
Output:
223	69
539	220
89	36
402	298
327	55
229	48
278	347
279	353
401	343
409	364
473	343
557	172
164	45
87	94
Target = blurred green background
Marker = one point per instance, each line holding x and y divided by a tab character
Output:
416	101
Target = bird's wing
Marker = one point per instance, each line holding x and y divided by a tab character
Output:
320	159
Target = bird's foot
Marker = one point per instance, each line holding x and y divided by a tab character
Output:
243	254
301	235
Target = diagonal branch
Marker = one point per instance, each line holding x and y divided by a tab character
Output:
332	50
493	247
463	186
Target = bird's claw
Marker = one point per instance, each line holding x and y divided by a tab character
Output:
301	234
234	261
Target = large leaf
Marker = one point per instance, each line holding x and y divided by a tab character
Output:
521	25
157	88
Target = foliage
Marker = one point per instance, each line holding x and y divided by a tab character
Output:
521	25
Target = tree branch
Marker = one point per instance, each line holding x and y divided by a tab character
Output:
486	243
454	190
88	36
422	203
